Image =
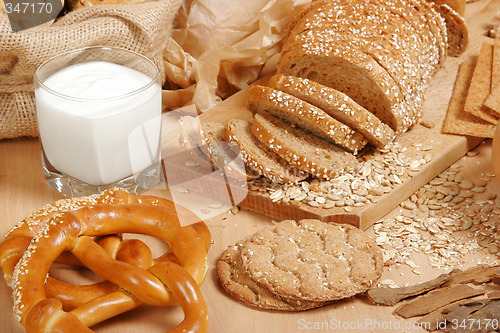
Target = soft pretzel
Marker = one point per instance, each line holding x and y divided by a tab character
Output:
87	227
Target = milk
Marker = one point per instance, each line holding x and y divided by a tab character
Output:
103	132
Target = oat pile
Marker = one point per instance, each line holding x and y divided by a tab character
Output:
446	219
379	172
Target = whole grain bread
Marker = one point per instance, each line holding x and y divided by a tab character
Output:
457	5
259	157
352	72
338	105
457	31
407	79
304	115
301	149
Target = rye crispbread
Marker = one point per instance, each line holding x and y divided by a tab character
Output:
458	121
312	260
480	86
236	282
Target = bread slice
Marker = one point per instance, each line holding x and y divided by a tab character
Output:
402	67
338	105
480	87
301	149
388	31
457	5
302	114
259	157
223	153
352	72
435	25
457	31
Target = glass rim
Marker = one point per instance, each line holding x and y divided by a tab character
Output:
105	99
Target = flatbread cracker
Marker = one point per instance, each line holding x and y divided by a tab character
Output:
458	121
493	100
312	260
238	283
480	86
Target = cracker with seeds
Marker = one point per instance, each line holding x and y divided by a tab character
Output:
312	260
493	100
480	86
236	281
458	121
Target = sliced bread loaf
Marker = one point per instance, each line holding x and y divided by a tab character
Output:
457	31
301	149
398	65
259	157
304	115
338	105
352	72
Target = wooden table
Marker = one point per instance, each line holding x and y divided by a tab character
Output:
23	190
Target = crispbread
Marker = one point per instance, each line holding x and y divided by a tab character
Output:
480	86
236	281
302	114
458	121
259	157
493	100
301	149
312	260
337	105
495	70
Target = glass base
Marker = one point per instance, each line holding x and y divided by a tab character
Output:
72	188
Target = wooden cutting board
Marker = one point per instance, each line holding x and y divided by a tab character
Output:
446	149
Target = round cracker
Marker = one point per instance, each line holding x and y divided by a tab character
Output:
238	283
312	260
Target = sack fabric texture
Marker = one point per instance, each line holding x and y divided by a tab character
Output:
144	28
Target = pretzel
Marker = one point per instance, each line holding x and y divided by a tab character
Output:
41	302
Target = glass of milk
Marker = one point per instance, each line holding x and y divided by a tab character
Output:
99	116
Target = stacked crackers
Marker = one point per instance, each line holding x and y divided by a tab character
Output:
296	266
474	108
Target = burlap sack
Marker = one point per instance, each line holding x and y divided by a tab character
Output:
144	28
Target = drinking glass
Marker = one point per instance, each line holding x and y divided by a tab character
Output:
99	117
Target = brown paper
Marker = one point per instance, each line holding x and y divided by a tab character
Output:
220	47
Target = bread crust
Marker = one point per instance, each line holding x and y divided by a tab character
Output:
301	149
352	72
337	105
261	159
305	115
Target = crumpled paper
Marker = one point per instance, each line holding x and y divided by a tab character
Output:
220	47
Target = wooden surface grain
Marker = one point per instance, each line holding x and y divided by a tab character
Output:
23	190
